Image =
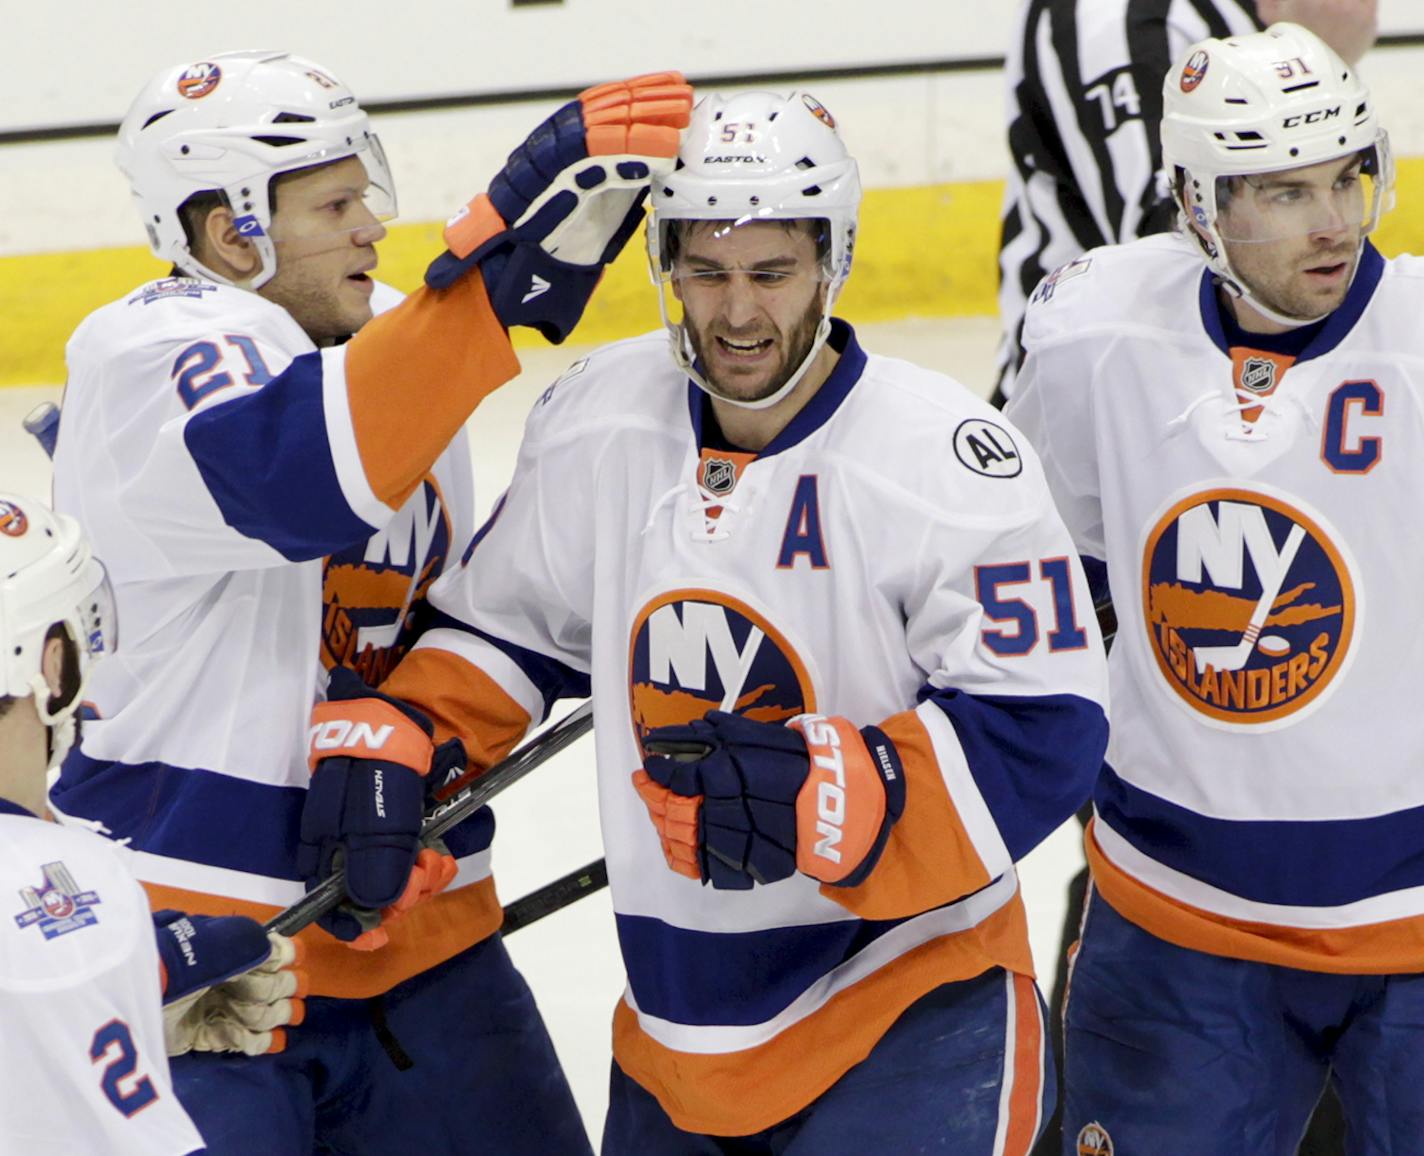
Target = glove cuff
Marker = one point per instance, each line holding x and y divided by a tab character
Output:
854	792
527	286
368	728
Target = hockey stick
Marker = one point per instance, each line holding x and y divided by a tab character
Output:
1234	657
329	893
555	896
43	423
575	885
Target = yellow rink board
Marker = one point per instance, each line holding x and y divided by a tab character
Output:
930	251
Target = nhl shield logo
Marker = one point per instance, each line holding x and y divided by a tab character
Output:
57	906
719	476
1093	1140
1258	374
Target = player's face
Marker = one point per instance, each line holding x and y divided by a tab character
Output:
1294	236
752	297
325	237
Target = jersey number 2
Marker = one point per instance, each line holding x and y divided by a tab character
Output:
127	1089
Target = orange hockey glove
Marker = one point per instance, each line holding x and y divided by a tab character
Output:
738	802
372	760
567	201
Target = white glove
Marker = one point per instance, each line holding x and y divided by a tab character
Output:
248	1013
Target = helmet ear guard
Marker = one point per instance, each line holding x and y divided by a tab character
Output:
752	158
228	125
1264	103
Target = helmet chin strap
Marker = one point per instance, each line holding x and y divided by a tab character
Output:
682	354
1237	286
62	723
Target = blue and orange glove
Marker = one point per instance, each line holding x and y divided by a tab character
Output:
374	768
228	985
567	201
738	802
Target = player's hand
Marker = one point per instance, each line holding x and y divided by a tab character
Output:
738	802
567	201
374	765
248	1013
197	951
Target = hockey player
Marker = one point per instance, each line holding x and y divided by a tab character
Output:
220	438
83	1048
1084	78
1228	419
738	549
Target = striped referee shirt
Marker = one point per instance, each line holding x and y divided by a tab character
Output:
1084	84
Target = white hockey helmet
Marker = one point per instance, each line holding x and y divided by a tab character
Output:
229	124
757	157
48	577
1264	103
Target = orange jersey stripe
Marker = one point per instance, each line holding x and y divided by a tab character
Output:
415	373
1387	948
929	859
462	701
1024	1065
421	939
737	1093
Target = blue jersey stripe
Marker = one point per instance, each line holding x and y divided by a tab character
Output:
265	459
1034	758
1292	862
204	817
705	978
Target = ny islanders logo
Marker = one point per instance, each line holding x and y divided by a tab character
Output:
1249	605
13	522
693	651
197	80
58	906
373	592
1093	1140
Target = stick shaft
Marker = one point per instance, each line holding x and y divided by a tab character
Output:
555	896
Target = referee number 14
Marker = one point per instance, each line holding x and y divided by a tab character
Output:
1117	99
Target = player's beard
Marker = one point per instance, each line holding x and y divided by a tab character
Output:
795	347
1283	284
317	297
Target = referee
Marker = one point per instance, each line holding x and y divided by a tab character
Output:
1084	82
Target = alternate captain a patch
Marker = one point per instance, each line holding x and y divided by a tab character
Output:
692	651
59	905
1249	605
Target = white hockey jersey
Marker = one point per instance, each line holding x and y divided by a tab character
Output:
1257	515
81	1050
214	456
893	557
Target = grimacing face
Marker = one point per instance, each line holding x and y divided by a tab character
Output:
752	297
325	237
1294	237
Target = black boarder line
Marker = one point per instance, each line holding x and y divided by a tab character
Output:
720	80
